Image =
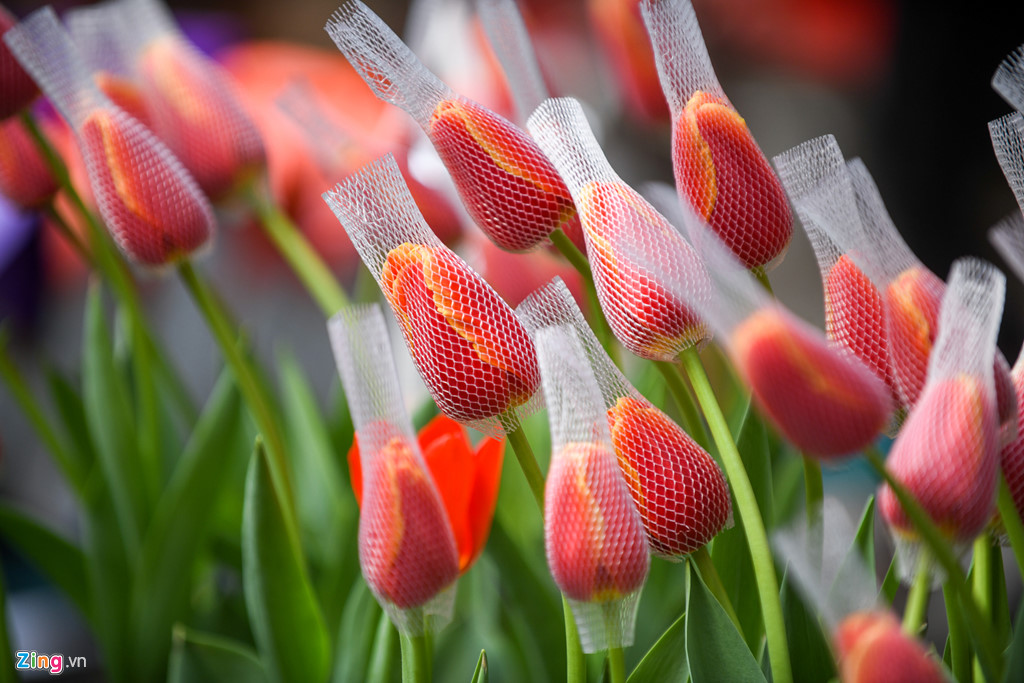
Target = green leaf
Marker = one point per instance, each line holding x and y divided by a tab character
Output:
666	661
355	635
110	420
480	672
69	405
385	653
805	637
285	618
179	527
51	554
752	444
207	658
890	584
858	568
715	650
1015	653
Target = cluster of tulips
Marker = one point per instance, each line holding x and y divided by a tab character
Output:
678	277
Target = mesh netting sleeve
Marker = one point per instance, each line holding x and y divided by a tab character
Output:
1008	80
1008	141
510	41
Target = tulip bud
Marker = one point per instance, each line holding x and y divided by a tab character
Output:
872	648
474	355
720	171
17	89
151	205
505	182
407	549
25	179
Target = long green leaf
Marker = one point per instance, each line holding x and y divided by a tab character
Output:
715	650
56	557
355	635
108	411
856	574
666	661
480	674
180	523
1015	653
71	410
805	637
285	618
207	658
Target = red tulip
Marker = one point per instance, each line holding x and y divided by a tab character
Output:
912	302
680	492
722	173
1012	457
17	89
125	94
872	648
466	479
827	404
25	179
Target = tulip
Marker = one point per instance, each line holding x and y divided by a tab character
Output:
723	174
872	648
467	481
595	552
125	94
680	492
17	89
827	404
912	301
25	179
1012	456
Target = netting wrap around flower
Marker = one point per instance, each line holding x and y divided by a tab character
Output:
678	488
506	184
1008	79
618	224
151	204
947	453
407	549
720	171
511	44
595	541
473	353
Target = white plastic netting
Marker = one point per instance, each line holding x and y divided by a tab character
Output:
473	353
947	453
505	182
407	548
1008	80
720	170
595	542
509	39
1008	141
677	487
152	206
631	247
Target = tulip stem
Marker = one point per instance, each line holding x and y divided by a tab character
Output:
296	249
415	668
68	234
959	653
578	260
1012	523
575	661
616	665
983	586
753	523
677	386
252	389
980	630
762	277
528	463
917	601
702	558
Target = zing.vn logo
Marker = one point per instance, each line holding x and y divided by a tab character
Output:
52	663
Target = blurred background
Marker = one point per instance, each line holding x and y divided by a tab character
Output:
904	85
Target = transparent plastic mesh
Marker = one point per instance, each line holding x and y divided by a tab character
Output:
473	353
645	316
1008	141
407	548
719	168
25	179
947	453
508	37
1008	80
17	89
595	542
152	206
824	400
677	487
191	102
505	182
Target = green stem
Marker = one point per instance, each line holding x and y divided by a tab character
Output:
576	662
762	277
296	249
917	601
702	558
959	652
1012	523
616	665
753	523
415	668
814	495
68	233
979	630
983	587
252	389
528	462
383	655
692	422
578	260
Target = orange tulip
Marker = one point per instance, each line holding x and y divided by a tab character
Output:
125	94
680	492
17	89
466	479
595	551
872	648
471	350
723	174
25	178
912	301
826	403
